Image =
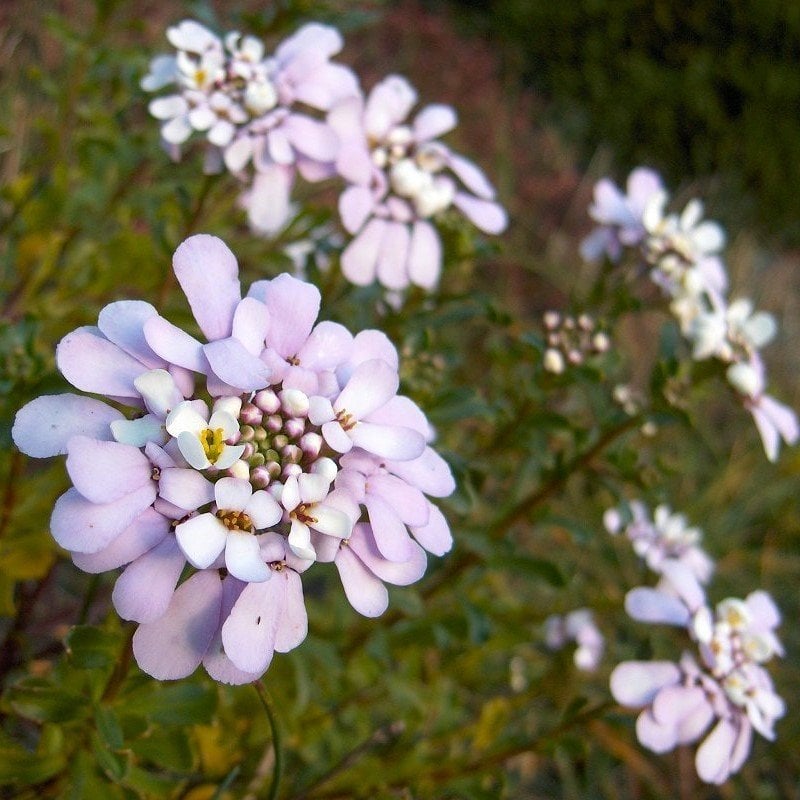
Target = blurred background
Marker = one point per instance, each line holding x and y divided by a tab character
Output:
453	694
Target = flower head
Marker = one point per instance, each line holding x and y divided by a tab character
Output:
244	489
727	686
402	178
254	109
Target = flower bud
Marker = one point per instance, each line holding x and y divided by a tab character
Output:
294	402
291	469
273	423
246	433
291	452
311	444
251	414
294	427
279	441
260	477
553	361
267	401
239	469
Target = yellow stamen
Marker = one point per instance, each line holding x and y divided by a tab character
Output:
236	521
213	443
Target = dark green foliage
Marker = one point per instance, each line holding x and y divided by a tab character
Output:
706	90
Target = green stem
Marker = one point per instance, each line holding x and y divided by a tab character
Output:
277	744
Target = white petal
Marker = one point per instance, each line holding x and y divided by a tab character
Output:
185	417
263	510
232	494
192	450
243	558
331	521
202	539
300	540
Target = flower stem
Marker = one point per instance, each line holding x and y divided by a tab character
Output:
277	745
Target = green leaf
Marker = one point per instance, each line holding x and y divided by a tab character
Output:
148	786
108	727
530	567
170	749
19	766
41	701
178	704
115	765
92	648
86	782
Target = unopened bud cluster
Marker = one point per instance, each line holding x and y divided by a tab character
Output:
571	340
279	441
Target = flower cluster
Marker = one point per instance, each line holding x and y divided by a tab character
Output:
578	626
682	254
253	108
296	111
661	539
248	456
725	685
571	340
401	178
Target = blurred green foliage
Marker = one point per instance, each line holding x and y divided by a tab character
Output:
698	90
452	693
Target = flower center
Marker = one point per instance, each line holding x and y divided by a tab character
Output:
236	521
301	514
213	443
345	420
278	437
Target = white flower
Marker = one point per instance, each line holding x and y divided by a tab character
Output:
304	498
239	513
202	441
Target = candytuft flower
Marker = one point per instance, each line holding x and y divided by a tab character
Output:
664	538
255	110
577	626
682	253
244	491
726	687
401	179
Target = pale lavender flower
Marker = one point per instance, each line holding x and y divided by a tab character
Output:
774	420
402	178
665	536
348	420
231	627
247	485
580	627
254	109
731	332
619	215
300	352
727	687
682	253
